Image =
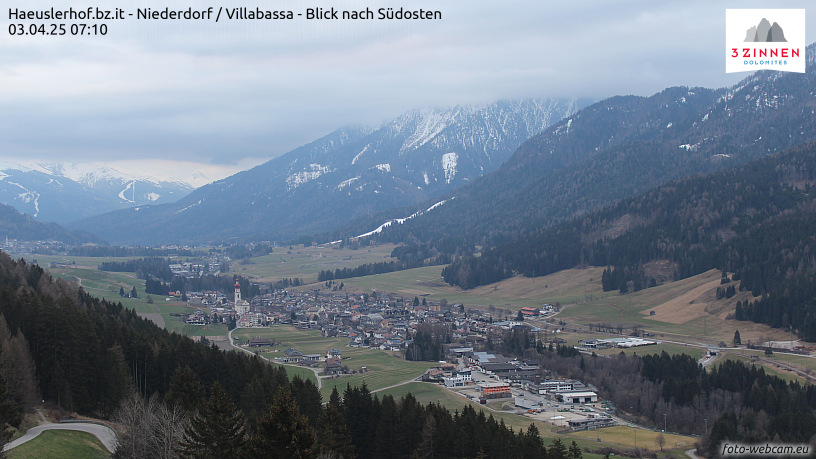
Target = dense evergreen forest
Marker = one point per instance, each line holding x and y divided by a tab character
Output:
755	220
176	397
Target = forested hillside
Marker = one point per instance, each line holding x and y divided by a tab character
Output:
754	221
22	227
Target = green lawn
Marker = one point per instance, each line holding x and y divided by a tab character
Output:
307	262
103	284
383	369
625	436
802	362
671	349
570	286
60	444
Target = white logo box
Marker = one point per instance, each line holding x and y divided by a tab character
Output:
749	56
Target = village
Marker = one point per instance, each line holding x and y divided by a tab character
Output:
388	322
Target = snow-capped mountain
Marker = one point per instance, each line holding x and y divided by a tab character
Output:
346	174
62	193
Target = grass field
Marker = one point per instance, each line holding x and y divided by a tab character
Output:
106	285
769	368
304	373
625	436
671	349
801	362
686	307
307	262
570	286
383	369
60	444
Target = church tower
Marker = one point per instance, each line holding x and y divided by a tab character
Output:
237	293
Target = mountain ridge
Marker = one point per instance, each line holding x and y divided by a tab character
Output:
616	148
350	172
60	192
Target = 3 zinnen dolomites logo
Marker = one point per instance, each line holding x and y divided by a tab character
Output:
765	39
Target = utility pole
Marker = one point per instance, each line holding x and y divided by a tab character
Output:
664	422
705	432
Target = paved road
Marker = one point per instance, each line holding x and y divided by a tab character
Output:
316	372
105	434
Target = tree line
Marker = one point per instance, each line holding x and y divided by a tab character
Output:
100	251
408	257
145	268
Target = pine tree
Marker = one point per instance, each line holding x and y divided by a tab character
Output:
575	451
216	431
186	390
10	413
737	339
335	439
558	450
133	293
283	432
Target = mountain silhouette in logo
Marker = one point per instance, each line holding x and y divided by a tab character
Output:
765	32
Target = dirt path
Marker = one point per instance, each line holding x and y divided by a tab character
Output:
395	385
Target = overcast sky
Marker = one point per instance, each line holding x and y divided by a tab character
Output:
234	93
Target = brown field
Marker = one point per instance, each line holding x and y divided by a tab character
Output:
687	306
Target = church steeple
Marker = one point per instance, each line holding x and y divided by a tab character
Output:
237	293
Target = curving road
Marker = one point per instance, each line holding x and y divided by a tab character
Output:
315	371
104	433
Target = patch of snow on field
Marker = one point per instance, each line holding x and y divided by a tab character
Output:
402	220
191	205
122	193
449	161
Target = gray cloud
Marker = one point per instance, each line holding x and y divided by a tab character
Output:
216	93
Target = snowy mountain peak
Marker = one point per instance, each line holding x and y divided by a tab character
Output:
63	192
